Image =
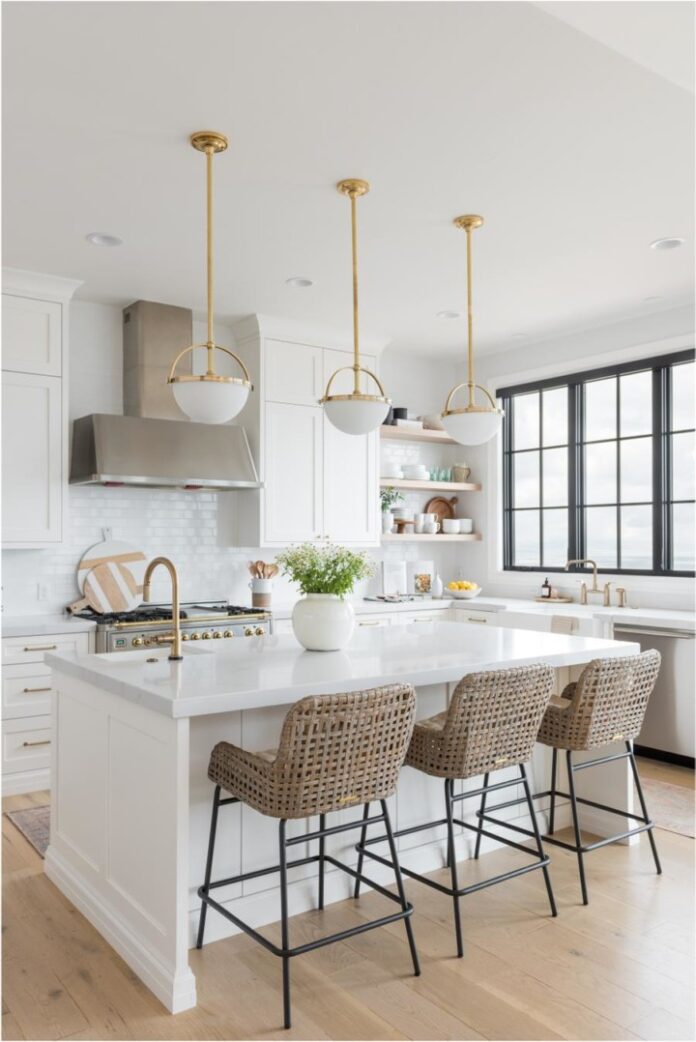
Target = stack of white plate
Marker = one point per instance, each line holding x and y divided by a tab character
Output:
416	472
391	470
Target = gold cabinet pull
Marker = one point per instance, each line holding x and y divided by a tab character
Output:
41	647
45	741
34	690
481	622
368	624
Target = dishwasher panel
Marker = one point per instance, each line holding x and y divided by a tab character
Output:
669	720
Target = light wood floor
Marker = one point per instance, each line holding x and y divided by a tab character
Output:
621	968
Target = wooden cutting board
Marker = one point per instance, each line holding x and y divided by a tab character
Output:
444	508
113	551
109	586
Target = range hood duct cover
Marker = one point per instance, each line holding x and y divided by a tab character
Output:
150	453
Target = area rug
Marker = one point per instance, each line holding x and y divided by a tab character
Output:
34	824
671	807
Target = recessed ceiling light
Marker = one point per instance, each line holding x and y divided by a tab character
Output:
299	282
448	314
103	239
670	243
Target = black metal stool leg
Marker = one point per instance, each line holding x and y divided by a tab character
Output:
643	805
400	887
452	857
576	827
482	808
322	826
554	768
284	921
363	837
537	836
208	865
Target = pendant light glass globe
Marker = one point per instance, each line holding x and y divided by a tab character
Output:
357	412
210	398
210	401
473	424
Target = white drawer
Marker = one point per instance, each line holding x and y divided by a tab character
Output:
26	691
470	615
26	744
373	620
440	615
16	650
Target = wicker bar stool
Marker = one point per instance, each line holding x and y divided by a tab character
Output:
335	751
607	704
491	724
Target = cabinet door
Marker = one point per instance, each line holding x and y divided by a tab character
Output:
293	373
292	496
31	335
351	512
31	459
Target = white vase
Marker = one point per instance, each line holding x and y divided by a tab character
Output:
387	521
323	622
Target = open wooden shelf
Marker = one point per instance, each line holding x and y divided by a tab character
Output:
408	434
426	486
424	537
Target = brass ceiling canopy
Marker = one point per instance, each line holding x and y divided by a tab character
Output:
357	412
210	398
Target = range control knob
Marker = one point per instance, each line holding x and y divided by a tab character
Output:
137	642
205	636
228	633
195	636
217	634
248	631
259	631
184	636
147	642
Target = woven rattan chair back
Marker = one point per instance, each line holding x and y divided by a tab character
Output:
492	721
607	703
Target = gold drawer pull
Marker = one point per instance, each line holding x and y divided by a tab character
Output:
45	741
34	690
41	647
367	624
481	622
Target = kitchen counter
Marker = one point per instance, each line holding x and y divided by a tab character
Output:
270	671
36	625
130	796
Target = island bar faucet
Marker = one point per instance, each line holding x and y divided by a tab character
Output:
168	638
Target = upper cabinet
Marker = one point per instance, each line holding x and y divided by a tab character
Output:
35	408
319	484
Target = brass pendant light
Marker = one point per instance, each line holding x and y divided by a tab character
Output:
474	424
210	398
357	412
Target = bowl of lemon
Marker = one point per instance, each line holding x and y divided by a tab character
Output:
462	589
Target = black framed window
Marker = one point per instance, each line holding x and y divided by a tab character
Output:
601	465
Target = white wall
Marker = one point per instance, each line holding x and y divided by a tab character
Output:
185	526
650	335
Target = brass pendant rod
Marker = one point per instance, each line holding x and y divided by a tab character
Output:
470	315
209	152
356	333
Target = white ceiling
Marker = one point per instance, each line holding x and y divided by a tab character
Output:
576	154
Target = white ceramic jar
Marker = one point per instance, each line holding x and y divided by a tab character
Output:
323	622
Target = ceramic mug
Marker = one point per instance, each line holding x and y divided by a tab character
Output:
429	519
419	520
450	525
466	525
431	527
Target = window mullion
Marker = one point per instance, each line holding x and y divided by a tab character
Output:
575	472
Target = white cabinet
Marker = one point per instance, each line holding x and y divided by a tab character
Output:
475	618
293	473
35	408
31	335
32	459
27	691
318	483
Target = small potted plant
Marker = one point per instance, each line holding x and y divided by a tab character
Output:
323	620
388	497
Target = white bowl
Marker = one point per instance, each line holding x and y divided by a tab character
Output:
416	472
466	525
463	595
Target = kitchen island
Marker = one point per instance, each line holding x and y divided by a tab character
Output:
130	800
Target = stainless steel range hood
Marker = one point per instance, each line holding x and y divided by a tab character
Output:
154	445
135	450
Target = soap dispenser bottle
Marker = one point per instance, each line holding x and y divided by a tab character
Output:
546	589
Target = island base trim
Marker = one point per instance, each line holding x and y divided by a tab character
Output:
176	990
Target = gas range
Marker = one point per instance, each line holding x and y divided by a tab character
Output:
208	620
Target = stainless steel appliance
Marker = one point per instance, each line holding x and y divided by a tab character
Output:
212	620
668	727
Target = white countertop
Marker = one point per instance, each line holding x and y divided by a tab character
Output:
267	671
36	625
